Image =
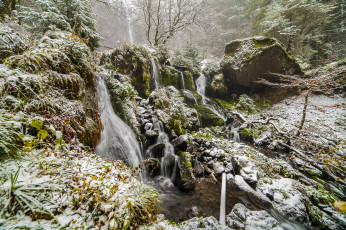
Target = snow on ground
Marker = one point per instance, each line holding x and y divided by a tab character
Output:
325	117
83	191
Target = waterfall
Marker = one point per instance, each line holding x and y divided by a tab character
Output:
155	72
182	80
127	9
201	84
118	142
235	136
168	159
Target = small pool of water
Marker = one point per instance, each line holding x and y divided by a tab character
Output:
175	204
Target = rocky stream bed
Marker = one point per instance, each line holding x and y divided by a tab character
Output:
124	139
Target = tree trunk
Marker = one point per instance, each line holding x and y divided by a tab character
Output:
304	112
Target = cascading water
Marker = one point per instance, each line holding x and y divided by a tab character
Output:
118	142
235	136
182	80
155	72
201	84
127	9
168	159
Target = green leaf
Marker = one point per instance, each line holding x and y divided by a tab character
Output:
42	134
36	123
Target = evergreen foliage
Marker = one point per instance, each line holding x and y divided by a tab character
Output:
311	30
299	25
233	19
189	57
67	15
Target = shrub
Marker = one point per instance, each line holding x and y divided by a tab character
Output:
69	15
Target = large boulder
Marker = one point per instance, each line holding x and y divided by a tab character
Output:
248	60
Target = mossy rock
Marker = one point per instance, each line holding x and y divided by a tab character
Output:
218	85
170	77
133	61
316	216
207	117
320	196
92	133
122	95
189	83
185	179
248	60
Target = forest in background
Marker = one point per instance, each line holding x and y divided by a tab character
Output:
312	31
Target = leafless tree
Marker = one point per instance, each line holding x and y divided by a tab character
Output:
164	18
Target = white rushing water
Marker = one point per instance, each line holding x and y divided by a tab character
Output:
201	84
118	142
168	160
127	10
235	136
155	72
182	80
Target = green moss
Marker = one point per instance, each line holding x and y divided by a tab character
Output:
186	157
250	134
263	41
178	127
189	83
226	104
133	61
170	76
218	85
232	48
316	216
207	117
320	196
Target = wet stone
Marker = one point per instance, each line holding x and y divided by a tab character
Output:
261	220
250	175
152	166
207	159
157	150
229	168
236	219
194	212
145	121
180	143
218	169
148	126
210	223
140	110
198	169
